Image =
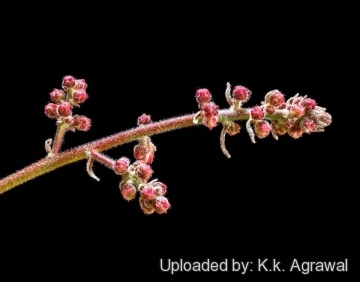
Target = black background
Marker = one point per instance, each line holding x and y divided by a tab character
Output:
280	199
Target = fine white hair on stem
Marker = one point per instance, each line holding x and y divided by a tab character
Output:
228	94
89	169
222	143
250	130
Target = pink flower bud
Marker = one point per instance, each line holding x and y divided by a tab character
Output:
144	119
203	96
262	128
290	122
160	188
307	125
146	206
80	96
57	95
64	109
275	98
69	119
232	128
296	100
148	192
144	171
325	118
309	104
241	93
211	122
68	82
139	152
210	109
282	106
121	165
80	84
297	111
128	191
257	112
270	110
149	158
279	127
51	110
162	205
82	123
295	131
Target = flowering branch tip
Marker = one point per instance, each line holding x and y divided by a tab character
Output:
295	116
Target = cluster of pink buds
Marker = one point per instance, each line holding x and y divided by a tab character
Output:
295	116
72	94
136	176
209	111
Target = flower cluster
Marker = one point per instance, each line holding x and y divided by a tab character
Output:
135	177
300	115
295	116
209	111
72	94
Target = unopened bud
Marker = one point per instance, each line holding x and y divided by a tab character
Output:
148	192
297	111
279	127
232	128
262	128
69	119
82	123
241	93
162	205
121	165
80	84
128	191
146	206
275	98
211	122
269	110
309	104
203	96
64	109
210	109
80	96
295	132
139	152
160	188
257	112
144	119
68	82
307	125
144	171
57	95
51	110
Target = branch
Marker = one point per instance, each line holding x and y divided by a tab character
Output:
49	164
296	116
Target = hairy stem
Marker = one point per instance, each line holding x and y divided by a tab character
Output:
59	137
104	160
47	164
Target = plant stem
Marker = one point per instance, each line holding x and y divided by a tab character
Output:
59	137
104	160
47	164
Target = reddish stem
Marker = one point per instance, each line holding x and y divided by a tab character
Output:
47	164
104	160
59	138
